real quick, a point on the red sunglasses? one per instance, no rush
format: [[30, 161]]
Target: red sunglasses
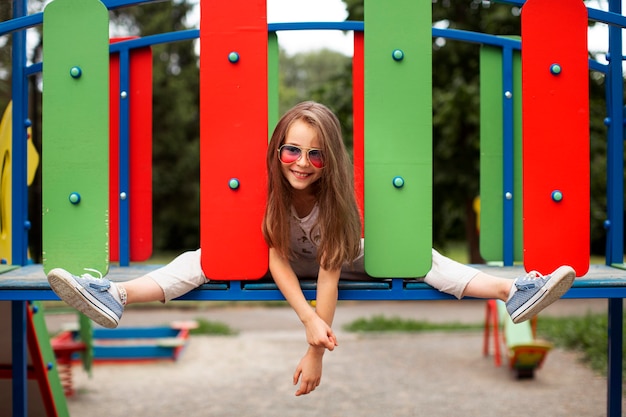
[[288, 154]]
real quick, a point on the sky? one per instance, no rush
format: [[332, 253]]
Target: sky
[[279, 11]]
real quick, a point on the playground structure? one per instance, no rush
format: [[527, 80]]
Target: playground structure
[[238, 72]]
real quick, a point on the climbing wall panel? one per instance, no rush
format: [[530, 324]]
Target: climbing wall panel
[[555, 135], [76, 136], [398, 138], [233, 138]]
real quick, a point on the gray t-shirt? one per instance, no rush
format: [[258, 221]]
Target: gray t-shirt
[[304, 240]]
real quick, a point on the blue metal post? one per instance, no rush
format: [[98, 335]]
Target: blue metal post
[[20, 122], [508, 148], [615, 145], [615, 210], [19, 209], [19, 351], [124, 157], [614, 373]]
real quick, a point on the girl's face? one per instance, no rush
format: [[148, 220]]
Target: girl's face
[[301, 173]]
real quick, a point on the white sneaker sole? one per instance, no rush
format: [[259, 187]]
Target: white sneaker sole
[[70, 291], [561, 280]]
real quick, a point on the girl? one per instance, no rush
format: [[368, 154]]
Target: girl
[[313, 229]]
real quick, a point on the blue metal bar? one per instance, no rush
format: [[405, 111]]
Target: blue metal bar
[[614, 371], [20, 22], [596, 66], [476, 37], [181, 35], [34, 69], [611, 17], [615, 146], [343, 25], [19, 348], [114, 4], [124, 158], [395, 290], [36, 19], [19, 201], [615, 210], [508, 147]]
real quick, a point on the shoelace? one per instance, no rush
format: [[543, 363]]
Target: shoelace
[[532, 275], [528, 281], [88, 275]]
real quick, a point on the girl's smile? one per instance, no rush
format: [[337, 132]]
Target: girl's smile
[[301, 173]]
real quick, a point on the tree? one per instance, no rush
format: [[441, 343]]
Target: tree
[[323, 76]]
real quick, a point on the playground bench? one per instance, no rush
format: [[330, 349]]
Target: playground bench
[[29, 283], [22, 285]]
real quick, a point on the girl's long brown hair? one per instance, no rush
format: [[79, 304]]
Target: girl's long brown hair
[[339, 222]]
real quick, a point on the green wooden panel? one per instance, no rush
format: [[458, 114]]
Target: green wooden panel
[[398, 138], [76, 135], [491, 154], [272, 82]]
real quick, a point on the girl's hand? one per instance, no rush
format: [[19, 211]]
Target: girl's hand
[[319, 333], [309, 371]]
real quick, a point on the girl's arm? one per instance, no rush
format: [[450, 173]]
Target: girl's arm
[[318, 331], [309, 370], [327, 292]]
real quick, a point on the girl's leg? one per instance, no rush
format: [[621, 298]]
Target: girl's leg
[[140, 290], [489, 287], [525, 296], [176, 278], [103, 301], [455, 278]]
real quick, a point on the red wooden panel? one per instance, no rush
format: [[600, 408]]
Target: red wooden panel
[[233, 138], [358, 118], [555, 106], [140, 136]]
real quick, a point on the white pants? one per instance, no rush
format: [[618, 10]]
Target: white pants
[[184, 274]]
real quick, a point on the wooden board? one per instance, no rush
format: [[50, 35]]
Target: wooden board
[[556, 135], [76, 136], [233, 138], [398, 138]]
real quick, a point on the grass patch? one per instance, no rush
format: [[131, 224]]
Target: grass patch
[[212, 328], [381, 323], [585, 334]]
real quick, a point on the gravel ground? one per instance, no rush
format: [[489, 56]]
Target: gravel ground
[[428, 374]]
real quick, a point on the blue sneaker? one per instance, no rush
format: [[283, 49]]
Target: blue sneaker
[[534, 292], [89, 295]]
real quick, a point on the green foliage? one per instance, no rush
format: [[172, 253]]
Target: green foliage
[[324, 76], [586, 334], [206, 327], [380, 323]]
